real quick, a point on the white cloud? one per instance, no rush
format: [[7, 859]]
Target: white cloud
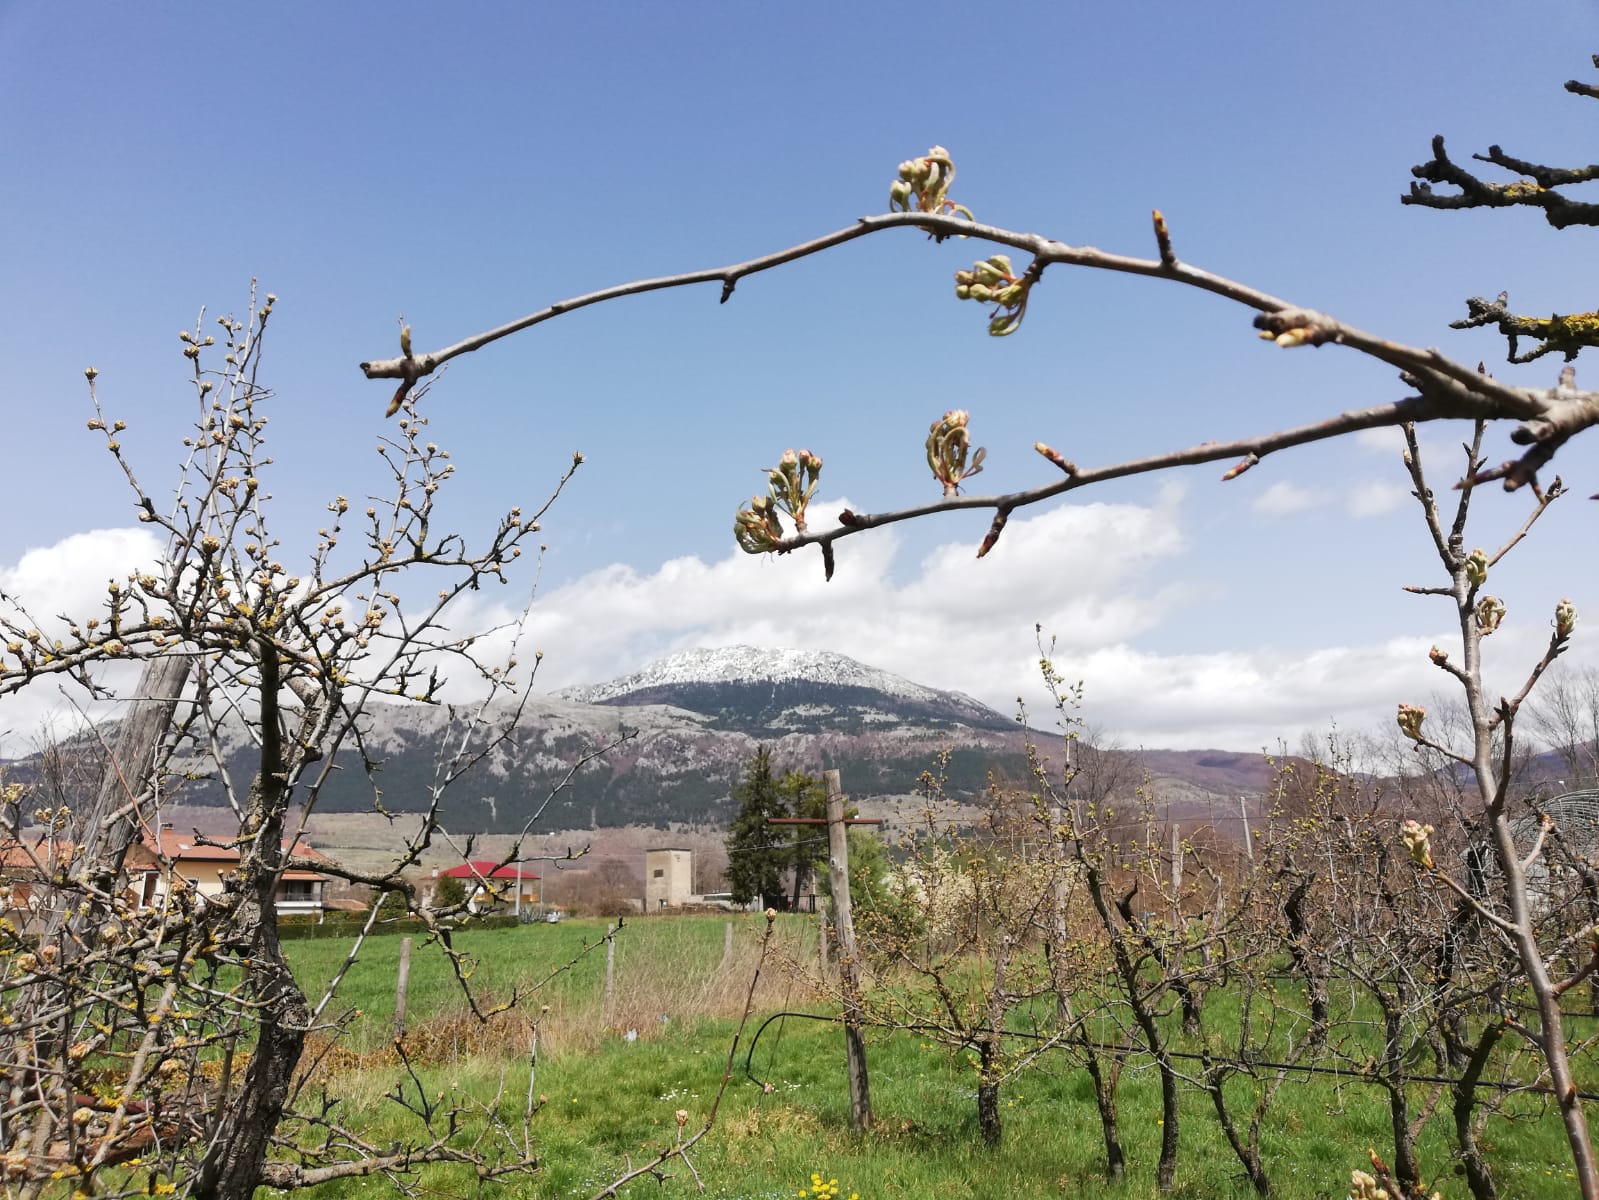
[[1283, 498], [71, 575], [1388, 441], [1097, 577], [69, 578], [1374, 498], [1247, 699], [1079, 570], [1094, 576]]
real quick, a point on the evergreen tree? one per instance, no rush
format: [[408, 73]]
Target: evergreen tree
[[804, 795], [449, 892], [758, 855]]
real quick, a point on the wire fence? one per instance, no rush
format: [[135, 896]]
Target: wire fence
[[1346, 1074]]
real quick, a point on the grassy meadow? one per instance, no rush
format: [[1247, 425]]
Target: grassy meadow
[[609, 1099]]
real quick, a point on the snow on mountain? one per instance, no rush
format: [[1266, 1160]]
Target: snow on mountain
[[690, 672]]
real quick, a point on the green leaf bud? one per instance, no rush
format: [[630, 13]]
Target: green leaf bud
[[1477, 567]]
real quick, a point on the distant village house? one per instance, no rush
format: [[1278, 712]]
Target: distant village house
[[154, 866], [300, 891], [492, 885]]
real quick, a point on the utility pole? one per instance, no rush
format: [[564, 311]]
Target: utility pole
[[860, 1097]]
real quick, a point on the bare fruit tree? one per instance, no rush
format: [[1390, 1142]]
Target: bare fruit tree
[[154, 1039], [1436, 388]]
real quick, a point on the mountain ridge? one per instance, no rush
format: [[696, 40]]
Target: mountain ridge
[[693, 721], [749, 687]]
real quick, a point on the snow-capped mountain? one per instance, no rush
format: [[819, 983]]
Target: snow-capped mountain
[[758, 690], [752, 664], [685, 729]]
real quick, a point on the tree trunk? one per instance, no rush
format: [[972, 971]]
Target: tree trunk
[[1247, 1150], [113, 821], [988, 1120], [1104, 1084], [849, 963], [1105, 1100], [234, 1164], [1407, 1169], [1299, 949], [1478, 1176], [1140, 1003]]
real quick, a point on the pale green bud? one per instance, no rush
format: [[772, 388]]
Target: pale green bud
[[1565, 618], [1477, 567]]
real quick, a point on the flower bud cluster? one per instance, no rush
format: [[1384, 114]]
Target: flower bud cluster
[[1362, 1186], [789, 488], [1490, 613], [792, 483], [993, 281], [1477, 567], [53, 819], [949, 448], [923, 185], [756, 528], [1414, 835], [1410, 718], [1299, 335], [1365, 1186], [1565, 618]]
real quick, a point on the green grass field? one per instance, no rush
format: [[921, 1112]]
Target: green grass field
[[609, 1099]]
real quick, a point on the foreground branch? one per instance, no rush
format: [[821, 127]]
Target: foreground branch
[[1283, 322], [1547, 417]]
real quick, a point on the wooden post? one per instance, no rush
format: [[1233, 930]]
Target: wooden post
[[860, 1099], [1058, 900], [821, 940], [1176, 879], [532, 1067], [1059, 891], [402, 983], [727, 947], [610, 973]]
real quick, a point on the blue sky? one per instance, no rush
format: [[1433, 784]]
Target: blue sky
[[463, 166]]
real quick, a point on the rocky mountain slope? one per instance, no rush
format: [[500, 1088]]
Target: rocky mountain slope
[[686, 727]]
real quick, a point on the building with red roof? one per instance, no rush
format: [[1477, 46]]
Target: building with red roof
[[490, 884], [27, 869], [154, 866], [205, 866]]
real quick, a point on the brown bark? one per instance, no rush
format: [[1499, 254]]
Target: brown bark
[[1478, 1177], [1109, 1120], [860, 1094], [235, 1162], [989, 1124]]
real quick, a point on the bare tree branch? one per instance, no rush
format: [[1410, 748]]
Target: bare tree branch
[[1559, 210]]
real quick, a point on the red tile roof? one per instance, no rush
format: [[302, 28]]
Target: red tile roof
[[17, 856], [185, 847], [483, 868]]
